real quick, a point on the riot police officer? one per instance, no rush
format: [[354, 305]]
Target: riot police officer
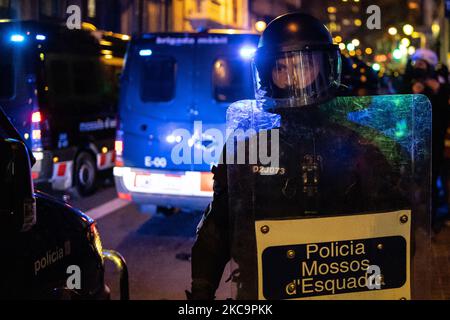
[[325, 166]]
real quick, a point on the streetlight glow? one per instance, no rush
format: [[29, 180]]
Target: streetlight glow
[[408, 29], [435, 28], [392, 31], [260, 26], [397, 54], [332, 10], [405, 42]]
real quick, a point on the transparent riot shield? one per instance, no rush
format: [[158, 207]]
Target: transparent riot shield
[[330, 201]]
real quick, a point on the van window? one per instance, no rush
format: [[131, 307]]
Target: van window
[[158, 79], [59, 70], [231, 80], [7, 78], [85, 77]]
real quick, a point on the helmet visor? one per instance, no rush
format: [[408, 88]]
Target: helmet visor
[[298, 78]]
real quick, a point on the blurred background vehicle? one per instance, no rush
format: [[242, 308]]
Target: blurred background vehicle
[[60, 89], [45, 241]]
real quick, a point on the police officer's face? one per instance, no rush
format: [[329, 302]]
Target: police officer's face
[[295, 72]]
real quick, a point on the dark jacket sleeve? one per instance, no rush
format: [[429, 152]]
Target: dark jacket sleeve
[[211, 251]]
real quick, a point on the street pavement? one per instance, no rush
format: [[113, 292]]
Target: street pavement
[[441, 265], [157, 249]]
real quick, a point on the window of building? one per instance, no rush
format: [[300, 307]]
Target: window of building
[[5, 9], [5, 3], [158, 79], [52, 8], [92, 8]]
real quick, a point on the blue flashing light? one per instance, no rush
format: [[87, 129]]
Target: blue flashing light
[[41, 37], [247, 52], [17, 38], [145, 53]]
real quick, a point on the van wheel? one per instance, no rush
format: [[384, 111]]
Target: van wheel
[[85, 174]]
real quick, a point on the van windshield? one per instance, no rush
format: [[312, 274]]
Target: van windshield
[[6, 72], [232, 80]]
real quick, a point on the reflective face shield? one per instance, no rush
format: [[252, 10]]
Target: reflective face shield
[[298, 78]]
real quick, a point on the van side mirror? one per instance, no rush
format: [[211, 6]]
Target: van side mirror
[[17, 201]]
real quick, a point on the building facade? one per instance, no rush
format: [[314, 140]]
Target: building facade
[[136, 16]]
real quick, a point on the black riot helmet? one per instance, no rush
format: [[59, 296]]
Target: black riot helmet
[[296, 63]]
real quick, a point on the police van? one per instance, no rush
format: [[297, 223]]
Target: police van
[[175, 88], [49, 249], [60, 89]]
